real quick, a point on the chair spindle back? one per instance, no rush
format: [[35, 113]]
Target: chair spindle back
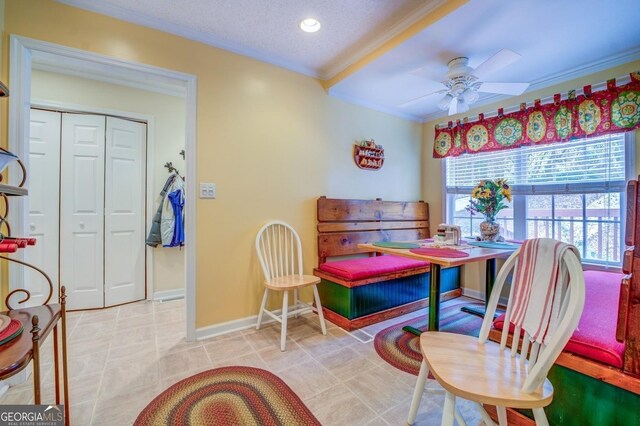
[[538, 358], [279, 250]]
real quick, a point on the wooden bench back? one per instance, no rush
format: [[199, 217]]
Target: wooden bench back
[[628, 329], [344, 223]]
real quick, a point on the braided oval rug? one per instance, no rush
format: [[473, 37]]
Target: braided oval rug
[[228, 396], [402, 349]]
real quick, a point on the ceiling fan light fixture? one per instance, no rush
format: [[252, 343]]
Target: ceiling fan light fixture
[[444, 102], [469, 96], [310, 25]]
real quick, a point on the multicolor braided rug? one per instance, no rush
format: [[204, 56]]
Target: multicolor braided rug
[[228, 396], [402, 350]]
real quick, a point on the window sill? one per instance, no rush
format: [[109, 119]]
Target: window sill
[[597, 267]]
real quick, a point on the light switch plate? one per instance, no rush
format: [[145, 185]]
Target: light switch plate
[[207, 190]]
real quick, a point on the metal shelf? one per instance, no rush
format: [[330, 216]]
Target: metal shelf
[[12, 190]]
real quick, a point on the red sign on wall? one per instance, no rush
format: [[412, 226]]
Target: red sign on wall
[[368, 155]]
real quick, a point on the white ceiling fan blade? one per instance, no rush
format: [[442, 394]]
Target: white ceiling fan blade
[[503, 88], [418, 99], [498, 61]]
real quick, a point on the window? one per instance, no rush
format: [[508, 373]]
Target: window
[[572, 191]]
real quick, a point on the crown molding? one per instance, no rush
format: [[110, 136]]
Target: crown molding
[[557, 78], [375, 107], [378, 41], [438, 13], [188, 33]]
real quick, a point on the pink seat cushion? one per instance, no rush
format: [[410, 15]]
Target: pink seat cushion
[[367, 267], [595, 337]]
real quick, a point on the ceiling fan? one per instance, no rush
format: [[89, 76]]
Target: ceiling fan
[[463, 82]]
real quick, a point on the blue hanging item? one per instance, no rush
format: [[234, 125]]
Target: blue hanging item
[[177, 203]]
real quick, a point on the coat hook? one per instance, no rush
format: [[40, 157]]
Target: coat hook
[[169, 166]]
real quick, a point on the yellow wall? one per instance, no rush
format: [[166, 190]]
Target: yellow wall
[[168, 139], [272, 140], [473, 276]]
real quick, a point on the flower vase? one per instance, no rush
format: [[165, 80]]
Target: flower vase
[[489, 230]]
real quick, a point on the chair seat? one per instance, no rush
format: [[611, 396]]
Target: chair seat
[[480, 372], [289, 282]]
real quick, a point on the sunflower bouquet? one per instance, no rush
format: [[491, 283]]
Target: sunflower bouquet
[[488, 198]]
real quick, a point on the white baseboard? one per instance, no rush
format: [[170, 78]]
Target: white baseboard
[[230, 326], [165, 295], [475, 294]]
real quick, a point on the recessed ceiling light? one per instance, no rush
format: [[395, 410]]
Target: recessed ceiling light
[[309, 25]]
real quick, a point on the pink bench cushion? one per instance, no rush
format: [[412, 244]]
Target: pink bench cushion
[[595, 337], [367, 267]]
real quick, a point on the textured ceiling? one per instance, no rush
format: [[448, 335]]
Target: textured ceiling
[[559, 40], [268, 29]]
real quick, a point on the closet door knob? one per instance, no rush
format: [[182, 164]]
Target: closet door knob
[[32, 226], [81, 225]]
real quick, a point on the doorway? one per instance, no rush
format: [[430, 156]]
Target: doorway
[[87, 206], [26, 54]]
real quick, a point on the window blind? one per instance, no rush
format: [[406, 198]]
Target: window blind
[[583, 165]]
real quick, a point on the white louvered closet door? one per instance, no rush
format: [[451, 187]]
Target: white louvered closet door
[[124, 211], [82, 210]]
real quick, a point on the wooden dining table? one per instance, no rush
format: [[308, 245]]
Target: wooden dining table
[[476, 254]]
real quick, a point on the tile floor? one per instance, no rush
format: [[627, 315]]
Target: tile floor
[[115, 374]]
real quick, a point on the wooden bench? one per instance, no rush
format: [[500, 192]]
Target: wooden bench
[[366, 288], [597, 377]]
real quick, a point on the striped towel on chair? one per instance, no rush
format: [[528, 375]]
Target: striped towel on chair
[[541, 279]]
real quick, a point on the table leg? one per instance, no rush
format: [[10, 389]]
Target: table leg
[[65, 377], [434, 298], [55, 363], [434, 302], [489, 280], [35, 342]]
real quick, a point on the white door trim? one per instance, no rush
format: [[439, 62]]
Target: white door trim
[[151, 134], [25, 52]]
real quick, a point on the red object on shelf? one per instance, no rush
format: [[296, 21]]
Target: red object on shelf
[[8, 248], [21, 242], [11, 332]]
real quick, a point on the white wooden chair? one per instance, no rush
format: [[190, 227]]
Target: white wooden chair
[[280, 253], [489, 373]]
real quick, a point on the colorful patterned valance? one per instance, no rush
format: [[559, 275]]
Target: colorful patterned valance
[[612, 110]]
